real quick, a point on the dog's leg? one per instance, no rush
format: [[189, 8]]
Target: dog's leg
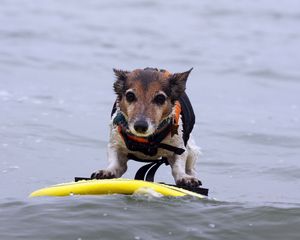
[[117, 164], [193, 154], [178, 165]]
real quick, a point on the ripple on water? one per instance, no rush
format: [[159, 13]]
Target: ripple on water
[[275, 140], [124, 217], [273, 75]]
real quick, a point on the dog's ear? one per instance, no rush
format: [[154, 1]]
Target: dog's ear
[[119, 84], [177, 83]]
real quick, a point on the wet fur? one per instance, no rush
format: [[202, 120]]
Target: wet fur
[[146, 84]]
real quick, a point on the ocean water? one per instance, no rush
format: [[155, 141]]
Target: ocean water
[[56, 60]]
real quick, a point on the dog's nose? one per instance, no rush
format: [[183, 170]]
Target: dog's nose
[[141, 126]]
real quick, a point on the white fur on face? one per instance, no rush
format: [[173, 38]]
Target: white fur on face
[[151, 127]]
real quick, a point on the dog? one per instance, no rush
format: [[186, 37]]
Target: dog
[[148, 121]]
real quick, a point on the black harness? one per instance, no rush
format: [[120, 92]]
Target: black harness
[[150, 148], [151, 144]]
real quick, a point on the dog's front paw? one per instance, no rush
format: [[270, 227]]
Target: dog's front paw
[[188, 181], [103, 174]]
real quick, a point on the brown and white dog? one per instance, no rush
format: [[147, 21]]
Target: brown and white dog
[[147, 106]]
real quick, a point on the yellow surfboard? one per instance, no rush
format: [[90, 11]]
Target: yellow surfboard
[[112, 186]]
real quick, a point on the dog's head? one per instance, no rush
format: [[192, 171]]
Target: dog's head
[[147, 96]]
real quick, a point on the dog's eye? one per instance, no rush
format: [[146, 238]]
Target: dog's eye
[[130, 97], [159, 99]]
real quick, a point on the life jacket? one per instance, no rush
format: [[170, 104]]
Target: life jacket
[[149, 145]]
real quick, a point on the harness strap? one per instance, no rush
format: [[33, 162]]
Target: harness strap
[[188, 117], [171, 148], [147, 171]]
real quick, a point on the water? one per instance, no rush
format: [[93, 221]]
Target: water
[[56, 60]]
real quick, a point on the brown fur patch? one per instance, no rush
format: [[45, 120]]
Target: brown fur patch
[[146, 84]]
